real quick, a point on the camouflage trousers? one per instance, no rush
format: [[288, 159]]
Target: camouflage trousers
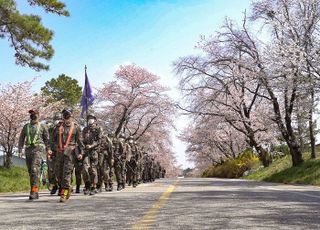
[[140, 171], [64, 167], [105, 171], [132, 172], [120, 170], [51, 169], [78, 166], [34, 156], [90, 165]]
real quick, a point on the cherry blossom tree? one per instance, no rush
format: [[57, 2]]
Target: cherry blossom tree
[[15, 101], [218, 83], [272, 77], [295, 34], [211, 140], [137, 104]]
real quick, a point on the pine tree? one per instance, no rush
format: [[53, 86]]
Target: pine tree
[[26, 34]]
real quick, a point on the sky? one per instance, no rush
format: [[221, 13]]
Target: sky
[[105, 34]]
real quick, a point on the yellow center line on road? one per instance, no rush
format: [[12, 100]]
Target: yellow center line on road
[[150, 217]]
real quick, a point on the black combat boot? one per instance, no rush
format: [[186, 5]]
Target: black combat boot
[[99, 188], [34, 196], [110, 187], [106, 187], [92, 191], [78, 189], [87, 188], [54, 189], [134, 184], [119, 187]]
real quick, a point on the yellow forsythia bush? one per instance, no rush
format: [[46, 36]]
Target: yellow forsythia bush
[[234, 168]]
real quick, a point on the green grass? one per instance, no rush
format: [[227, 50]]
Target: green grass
[[281, 171], [14, 179]]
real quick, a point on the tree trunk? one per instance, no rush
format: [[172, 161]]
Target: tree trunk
[[295, 152], [263, 154], [300, 131], [311, 127], [8, 160]]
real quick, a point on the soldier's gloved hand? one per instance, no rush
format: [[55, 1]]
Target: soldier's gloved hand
[[112, 162], [49, 153]]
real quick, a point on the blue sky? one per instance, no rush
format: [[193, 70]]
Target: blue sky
[[104, 34]]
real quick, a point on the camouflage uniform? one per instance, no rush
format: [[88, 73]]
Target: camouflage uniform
[[107, 163], [119, 161], [163, 174], [152, 170], [66, 139], [157, 170], [51, 162], [52, 159], [35, 137], [100, 168], [133, 165], [146, 167], [78, 167], [140, 166], [91, 140]]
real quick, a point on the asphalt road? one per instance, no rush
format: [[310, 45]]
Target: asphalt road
[[191, 203]]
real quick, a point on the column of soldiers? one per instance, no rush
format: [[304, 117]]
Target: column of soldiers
[[95, 157]]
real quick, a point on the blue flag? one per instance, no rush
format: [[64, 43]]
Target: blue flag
[[87, 97]]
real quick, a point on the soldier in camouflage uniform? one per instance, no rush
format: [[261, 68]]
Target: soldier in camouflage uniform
[[119, 161], [157, 170], [163, 173], [152, 170], [78, 168], [57, 119], [133, 169], [107, 162], [91, 136], [100, 166], [66, 139], [146, 164], [160, 171], [35, 137], [140, 164]]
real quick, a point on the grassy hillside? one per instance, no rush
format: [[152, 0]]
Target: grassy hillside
[[282, 172]]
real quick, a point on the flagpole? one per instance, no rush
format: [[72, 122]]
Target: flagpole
[[86, 89]]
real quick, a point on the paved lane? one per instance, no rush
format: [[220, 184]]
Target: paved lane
[[192, 203]]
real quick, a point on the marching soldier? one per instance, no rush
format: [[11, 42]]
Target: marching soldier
[[78, 167], [91, 139], [133, 163], [119, 161], [57, 119], [145, 174], [66, 140], [152, 170], [35, 137], [107, 162]]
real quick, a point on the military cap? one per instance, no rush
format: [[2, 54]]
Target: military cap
[[34, 111], [92, 116], [67, 110]]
